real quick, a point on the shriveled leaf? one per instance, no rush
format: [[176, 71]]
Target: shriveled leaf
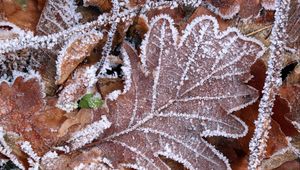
[[180, 98], [56, 16], [73, 53]]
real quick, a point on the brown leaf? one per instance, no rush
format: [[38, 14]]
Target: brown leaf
[[19, 103], [104, 5], [225, 8], [74, 52], [292, 94], [294, 27], [168, 110], [245, 9], [26, 18], [81, 118]]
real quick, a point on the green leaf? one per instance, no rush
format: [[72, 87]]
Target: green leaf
[[89, 101], [95, 103], [22, 3]]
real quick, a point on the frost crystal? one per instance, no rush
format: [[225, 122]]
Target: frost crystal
[[34, 158], [257, 144]]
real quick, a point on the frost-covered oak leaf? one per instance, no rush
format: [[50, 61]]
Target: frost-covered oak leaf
[[185, 89], [74, 52], [19, 101]]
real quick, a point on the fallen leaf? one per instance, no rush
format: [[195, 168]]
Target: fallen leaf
[[26, 18], [168, 114], [294, 27], [19, 103], [73, 53], [292, 94]]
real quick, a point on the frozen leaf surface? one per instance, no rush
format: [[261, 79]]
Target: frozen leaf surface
[[179, 96]]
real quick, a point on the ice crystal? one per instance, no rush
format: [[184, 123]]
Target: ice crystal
[[257, 144], [34, 158], [168, 111]]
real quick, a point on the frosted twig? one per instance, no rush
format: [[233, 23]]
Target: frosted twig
[[258, 142]]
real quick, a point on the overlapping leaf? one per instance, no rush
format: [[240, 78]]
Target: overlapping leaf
[[227, 9], [186, 89], [292, 94]]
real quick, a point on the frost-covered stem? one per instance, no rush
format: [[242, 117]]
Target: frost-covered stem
[[49, 41], [110, 35], [258, 142]]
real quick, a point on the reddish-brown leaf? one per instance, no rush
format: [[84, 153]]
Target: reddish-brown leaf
[[176, 96]]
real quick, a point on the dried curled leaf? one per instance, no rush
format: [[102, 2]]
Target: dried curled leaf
[[180, 98], [74, 52]]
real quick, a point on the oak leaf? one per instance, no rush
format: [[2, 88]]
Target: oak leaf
[[177, 96]]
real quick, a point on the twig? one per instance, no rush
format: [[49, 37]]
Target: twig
[[259, 30]]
